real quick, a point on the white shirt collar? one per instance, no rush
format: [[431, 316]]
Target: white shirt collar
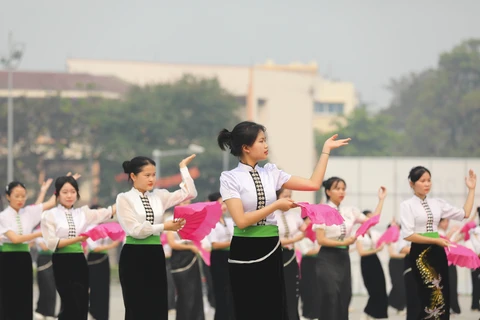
[[138, 192], [246, 167]]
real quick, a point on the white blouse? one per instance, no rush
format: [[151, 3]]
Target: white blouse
[[305, 245], [370, 239], [421, 216], [290, 220], [351, 215], [55, 222], [22, 223], [222, 232], [131, 212], [239, 183]]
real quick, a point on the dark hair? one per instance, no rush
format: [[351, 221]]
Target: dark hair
[[331, 183], [13, 184], [416, 173], [214, 196], [135, 165], [60, 182], [244, 133], [365, 212]]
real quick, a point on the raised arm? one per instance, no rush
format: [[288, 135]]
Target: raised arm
[[471, 182], [382, 193], [43, 191], [315, 181]]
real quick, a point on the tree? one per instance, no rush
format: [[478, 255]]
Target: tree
[[371, 135]]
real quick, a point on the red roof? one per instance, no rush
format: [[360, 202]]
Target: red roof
[[60, 81]]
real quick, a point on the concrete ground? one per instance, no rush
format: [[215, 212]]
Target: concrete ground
[[358, 303]]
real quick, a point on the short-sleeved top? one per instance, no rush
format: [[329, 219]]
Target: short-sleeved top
[[222, 232], [474, 242], [351, 216], [29, 218], [289, 223], [422, 216], [57, 222], [131, 212], [240, 183]]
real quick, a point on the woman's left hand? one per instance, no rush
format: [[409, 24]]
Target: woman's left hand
[[186, 161], [382, 193], [333, 143], [471, 180]]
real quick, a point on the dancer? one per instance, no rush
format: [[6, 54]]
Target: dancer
[[474, 244], [289, 225], [308, 280], [99, 275], [372, 274], [17, 224], [411, 289], [142, 261], [47, 292], [62, 227], [256, 263], [333, 262], [420, 216], [396, 267], [220, 238]]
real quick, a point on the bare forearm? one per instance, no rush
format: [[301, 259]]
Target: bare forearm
[[220, 245], [66, 242], [379, 207], [416, 238], [250, 218], [319, 172], [468, 206], [330, 243]]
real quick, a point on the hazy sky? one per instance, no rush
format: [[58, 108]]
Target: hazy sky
[[367, 42]]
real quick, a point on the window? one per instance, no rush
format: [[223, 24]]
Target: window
[[328, 108]]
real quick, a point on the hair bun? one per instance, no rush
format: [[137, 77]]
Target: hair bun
[[127, 167]]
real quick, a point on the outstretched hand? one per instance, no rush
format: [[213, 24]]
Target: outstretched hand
[[333, 143], [46, 185], [471, 180], [186, 161]]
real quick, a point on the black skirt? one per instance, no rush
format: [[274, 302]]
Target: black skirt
[[17, 285], [475, 289], [411, 291], [47, 292], [430, 269], [453, 278], [144, 282], [257, 279], [374, 280], [290, 270], [71, 279], [221, 285], [171, 291], [99, 275], [2, 317], [308, 287], [334, 281], [186, 274], [396, 298]]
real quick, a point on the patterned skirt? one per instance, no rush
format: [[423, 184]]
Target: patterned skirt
[[430, 269]]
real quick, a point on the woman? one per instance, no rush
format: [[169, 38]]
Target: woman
[[185, 264], [62, 227], [411, 290], [474, 244], [396, 266], [333, 262], [220, 239], [142, 261], [47, 293], [420, 217], [17, 224], [99, 275], [372, 274], [289, 231], [249, 191], [308, 280]]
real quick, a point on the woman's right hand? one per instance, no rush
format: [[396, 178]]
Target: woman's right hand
[[349, 241], [174, 225], [285, 204], [82, 238], [442, 242], [194, 249]]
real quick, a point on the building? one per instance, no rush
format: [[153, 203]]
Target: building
[[290, 100]]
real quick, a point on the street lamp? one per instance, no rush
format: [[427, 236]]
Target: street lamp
[[158, 154], [10, 63]]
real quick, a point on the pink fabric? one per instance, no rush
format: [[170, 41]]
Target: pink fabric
[[321, 213], [310, 234], [203, 253], [467, 227], [462, 256], [389, 236], [200, 219], [111, 230], [299, 257], [367, 225]]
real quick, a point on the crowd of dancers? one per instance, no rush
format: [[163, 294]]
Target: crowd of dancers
[[255, 247]]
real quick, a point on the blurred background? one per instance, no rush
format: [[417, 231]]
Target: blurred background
[[85, 85]]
